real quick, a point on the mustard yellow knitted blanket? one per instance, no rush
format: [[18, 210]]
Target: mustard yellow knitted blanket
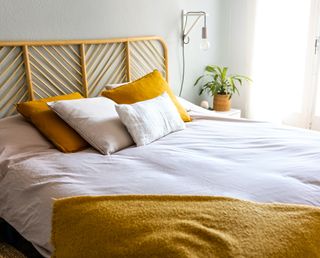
[[182, 226]]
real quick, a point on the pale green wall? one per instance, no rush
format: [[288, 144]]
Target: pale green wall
[[237, 42], [84, 19]]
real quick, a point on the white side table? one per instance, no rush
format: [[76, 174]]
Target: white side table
[[235, 113]]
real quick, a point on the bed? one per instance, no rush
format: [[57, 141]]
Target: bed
[[213, 156]]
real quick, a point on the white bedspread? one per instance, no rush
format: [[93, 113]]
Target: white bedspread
[[213, 156]]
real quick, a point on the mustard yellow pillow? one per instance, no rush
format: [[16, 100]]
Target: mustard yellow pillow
[[30, 107], [58, 132], [148, 87], [50, 125]]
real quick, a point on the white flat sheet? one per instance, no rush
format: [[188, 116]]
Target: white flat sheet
[[212, 156]]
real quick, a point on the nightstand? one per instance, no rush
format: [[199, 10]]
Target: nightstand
[[234, 113]]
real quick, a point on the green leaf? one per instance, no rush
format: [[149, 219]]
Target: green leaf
[[210, 69], [219, 70], [236, 90], [224, 73], [239, 80], [246, 78], [198, 80]]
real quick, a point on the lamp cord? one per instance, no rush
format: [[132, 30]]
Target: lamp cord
[[183, 56], [183, 69], [186, 40]]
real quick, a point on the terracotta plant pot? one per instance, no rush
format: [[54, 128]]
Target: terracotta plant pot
[[221, 103]]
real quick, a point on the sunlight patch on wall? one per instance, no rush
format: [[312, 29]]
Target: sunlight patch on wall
[[279, 60]]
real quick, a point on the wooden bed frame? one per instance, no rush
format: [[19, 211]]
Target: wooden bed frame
[[32, 70], [38, 69]]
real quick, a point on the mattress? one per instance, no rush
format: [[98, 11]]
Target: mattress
[[213, 156]]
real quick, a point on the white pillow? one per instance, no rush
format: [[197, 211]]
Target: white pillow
[[115, 85], [96, 120], [150, 120], [18, 136]]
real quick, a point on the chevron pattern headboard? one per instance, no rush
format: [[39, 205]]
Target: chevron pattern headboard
[[39, 69]]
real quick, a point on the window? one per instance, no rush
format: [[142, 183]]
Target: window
[[285, 64]]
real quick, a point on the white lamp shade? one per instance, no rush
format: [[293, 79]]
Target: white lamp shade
[[205, 44]]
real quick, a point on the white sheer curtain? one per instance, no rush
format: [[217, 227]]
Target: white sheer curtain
[[282, 67]]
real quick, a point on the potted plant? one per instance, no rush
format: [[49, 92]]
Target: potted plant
[[220, 85]]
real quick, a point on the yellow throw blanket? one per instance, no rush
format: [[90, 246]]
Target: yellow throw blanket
[[182, 226]]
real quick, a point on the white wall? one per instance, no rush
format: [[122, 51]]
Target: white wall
[[237, 22], [84, 19]]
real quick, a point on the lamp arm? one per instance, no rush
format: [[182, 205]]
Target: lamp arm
[[199, 14], [192, 26]]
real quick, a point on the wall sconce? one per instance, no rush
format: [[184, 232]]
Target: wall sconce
[[205, 44]]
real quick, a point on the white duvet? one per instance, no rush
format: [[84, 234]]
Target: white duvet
[[212, 156]]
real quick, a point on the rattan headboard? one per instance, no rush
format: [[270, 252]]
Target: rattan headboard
[[38, 69]]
